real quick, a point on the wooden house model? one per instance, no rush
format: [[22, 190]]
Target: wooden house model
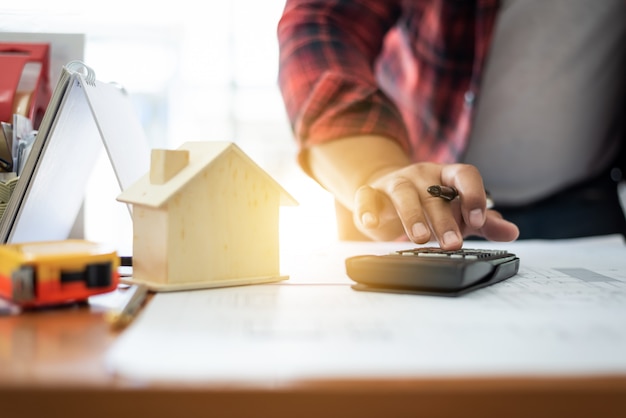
[[206, 215]]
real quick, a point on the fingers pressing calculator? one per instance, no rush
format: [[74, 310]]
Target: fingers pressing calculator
[[431, 270]]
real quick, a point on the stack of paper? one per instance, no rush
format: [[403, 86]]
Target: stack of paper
[[7, 185]]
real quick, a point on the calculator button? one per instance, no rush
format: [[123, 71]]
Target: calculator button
[[429, 254]]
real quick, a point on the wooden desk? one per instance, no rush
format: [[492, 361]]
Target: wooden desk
[[51, 364]]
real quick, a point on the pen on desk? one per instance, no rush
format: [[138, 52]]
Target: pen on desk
[[120, 319], [450, 193]]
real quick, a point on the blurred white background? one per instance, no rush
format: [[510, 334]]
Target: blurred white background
[[195, 71]]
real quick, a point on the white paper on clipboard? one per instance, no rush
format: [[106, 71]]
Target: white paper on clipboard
[[83, 117]]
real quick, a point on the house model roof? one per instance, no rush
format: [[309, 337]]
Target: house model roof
[[201, 155]]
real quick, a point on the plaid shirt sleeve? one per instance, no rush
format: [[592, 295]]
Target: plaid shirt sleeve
[[406, 70]]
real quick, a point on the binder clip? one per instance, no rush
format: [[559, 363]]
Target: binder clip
[[25, 82]]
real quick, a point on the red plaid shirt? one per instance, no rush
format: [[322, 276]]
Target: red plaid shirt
[[404, 69]]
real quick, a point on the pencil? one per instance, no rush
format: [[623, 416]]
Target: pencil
[[120, 319]]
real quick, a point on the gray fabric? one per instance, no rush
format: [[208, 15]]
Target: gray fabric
[[547, 110]]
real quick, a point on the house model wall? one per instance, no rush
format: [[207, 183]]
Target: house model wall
[[205, 216]]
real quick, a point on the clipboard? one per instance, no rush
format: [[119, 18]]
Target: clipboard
[[83, 117]]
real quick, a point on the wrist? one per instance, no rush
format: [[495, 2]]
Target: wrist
[[342, 166]]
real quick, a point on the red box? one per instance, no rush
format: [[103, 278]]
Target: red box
[[24, 81]]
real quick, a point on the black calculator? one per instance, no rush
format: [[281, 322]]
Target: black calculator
[[431, 270]]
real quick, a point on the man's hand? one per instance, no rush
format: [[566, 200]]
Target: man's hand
[[398, 202], [387, 194]]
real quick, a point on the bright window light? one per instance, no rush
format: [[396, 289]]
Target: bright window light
[[198, 71]]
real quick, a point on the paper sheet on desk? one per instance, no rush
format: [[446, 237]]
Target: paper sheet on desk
[[569, 318], [325, 264]]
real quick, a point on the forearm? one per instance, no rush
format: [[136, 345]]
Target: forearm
[[344, 165]]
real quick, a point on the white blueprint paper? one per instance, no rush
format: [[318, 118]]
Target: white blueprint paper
[[563, 314]]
